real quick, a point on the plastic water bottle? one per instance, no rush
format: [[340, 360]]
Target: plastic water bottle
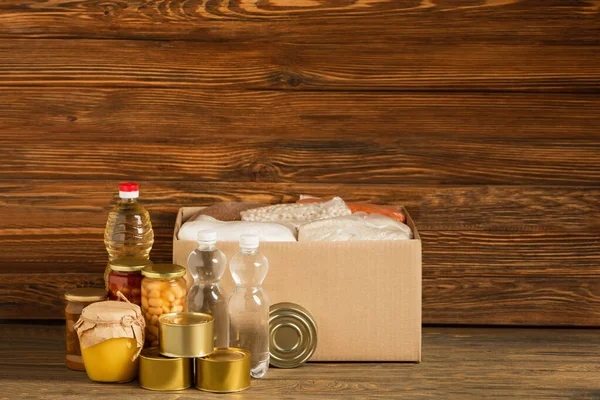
[[207, 264], [128, 231], [249, 304]]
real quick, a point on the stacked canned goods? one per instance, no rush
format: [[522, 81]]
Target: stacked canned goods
[[186, 338]]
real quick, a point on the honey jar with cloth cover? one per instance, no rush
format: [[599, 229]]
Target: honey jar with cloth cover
[[111, 336]]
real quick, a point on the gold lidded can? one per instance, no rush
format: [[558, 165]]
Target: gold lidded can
[[158, 372], [186, 334], [225, 370], [293, 335]]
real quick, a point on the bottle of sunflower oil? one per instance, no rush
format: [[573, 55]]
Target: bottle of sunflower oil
[[128, 231]]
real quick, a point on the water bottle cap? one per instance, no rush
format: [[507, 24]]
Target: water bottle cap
[[249, 241], [207, 236], [129, 190]]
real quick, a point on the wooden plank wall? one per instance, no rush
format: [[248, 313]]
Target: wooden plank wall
[[481, 116]]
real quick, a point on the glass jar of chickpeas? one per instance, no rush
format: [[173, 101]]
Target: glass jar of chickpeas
[[125, 276], [163, 291]]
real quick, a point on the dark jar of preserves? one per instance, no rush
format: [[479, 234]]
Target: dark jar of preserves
[[125, 276], [77, 300]]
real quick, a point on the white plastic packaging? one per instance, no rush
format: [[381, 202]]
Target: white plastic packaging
[[231, 231], [358, 226]]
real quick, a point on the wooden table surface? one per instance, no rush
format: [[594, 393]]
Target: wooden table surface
[[457, 363]]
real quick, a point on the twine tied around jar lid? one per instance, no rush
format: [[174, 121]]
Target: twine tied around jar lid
[[112, 322], [127, 321]]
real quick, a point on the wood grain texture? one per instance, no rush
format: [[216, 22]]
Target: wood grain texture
[[41, 296], [143, 113], [436, 161], [351, 66], [446, 22], [413, 161], [458, 363], [522, 300], [301, 137]]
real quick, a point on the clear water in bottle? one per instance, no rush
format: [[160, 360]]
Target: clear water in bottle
[[207, 265], [249, 304], [128, 228]]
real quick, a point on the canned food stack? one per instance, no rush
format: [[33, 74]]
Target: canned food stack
[[186, 338], [151, 328]]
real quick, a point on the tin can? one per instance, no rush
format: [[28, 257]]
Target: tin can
[[163, 373], [292, 335], [226, 370], [186, 334]]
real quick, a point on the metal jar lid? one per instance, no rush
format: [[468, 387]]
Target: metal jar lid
[[163, 271], [226, 370], [186, 334], [163, 373], [86, 295], [128, 264], [292, 335]]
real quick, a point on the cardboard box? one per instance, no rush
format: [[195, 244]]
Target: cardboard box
[[364, 295]]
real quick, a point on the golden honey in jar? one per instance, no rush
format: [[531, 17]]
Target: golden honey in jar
[[111, 336], [125, 276], [77, 300], [164, 291]]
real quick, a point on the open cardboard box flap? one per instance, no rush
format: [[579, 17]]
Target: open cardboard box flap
[[364, 295]]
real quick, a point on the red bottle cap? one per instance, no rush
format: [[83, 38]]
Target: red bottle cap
[[129, 190], [128, 187]]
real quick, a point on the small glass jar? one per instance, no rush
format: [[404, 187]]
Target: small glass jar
[[111, 336], [164, 291], [77, 300], [125, 276]]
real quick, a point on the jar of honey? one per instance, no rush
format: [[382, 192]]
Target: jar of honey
[[125, 276], [111, 336], [77, 300], [163, 291]]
